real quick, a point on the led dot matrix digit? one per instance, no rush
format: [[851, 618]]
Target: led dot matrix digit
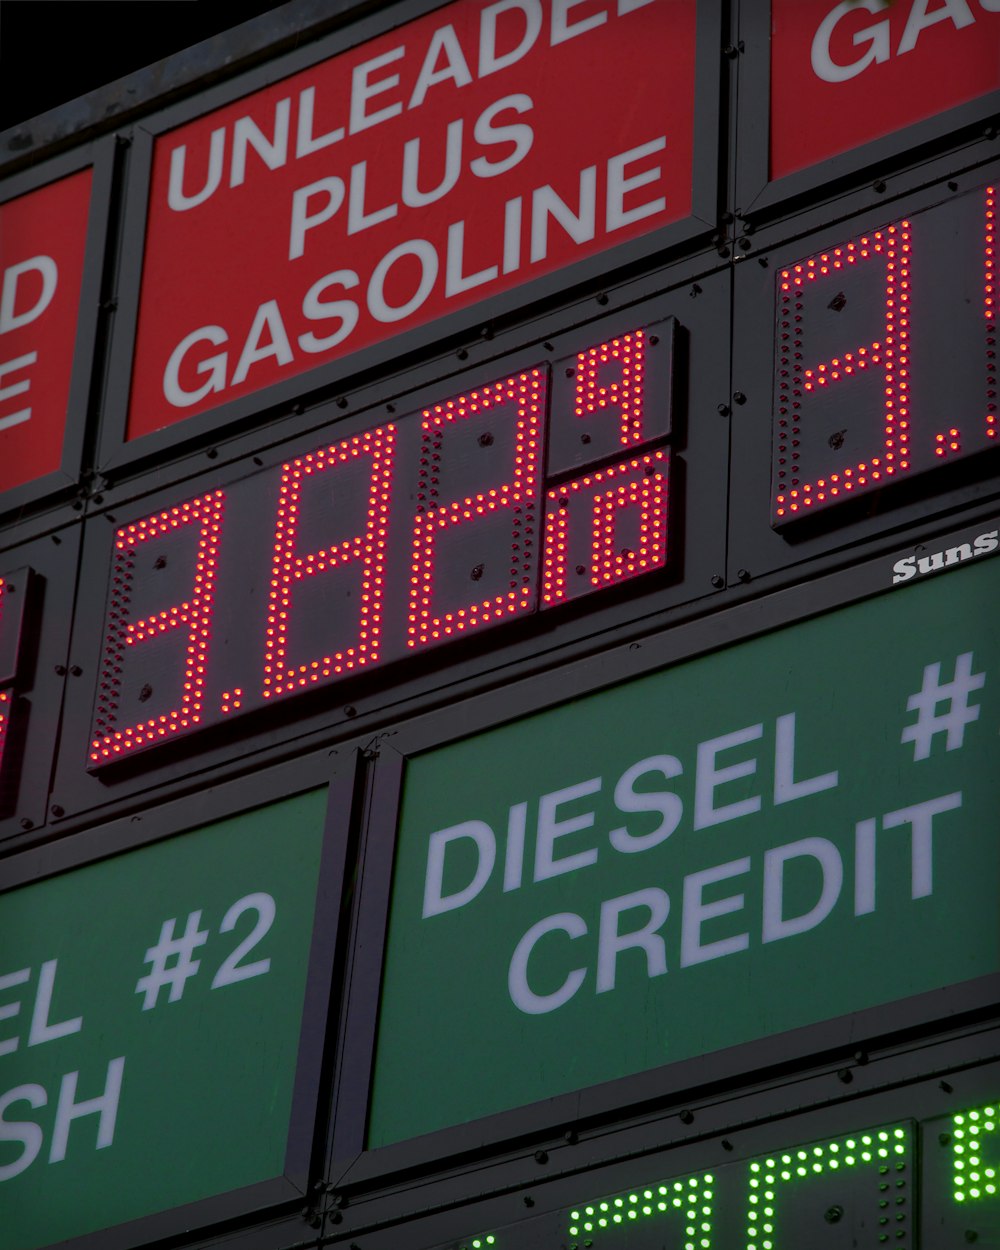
[[409, 535], [885, 363]]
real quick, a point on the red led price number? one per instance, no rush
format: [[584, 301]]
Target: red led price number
[[13, 596], [515, 496], [886, 357]]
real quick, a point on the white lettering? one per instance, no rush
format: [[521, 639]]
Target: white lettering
[[362, 90], [786, 788], [435, 902], [26, 1132], [550, 828], [627, 799], [43, 265], [16, 388], [68, 1110], [455, 282], [518, 133], [920, 818], [302, 220], [619, 186], [489, 60], [413, 197], [877, 36], [213, 366], [696, 912], [305, 141], [524, 998], [176, 199], [247, 134], [41, 1030], [9, 1010], [268, 316], [378, 306], [611, 942], [454, 69], [824, 852], [562, 30], [709, 778], [317, 309], [579, 226], [919, 19]]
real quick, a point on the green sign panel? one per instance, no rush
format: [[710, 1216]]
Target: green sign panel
[[150, 1012], [798, 827]]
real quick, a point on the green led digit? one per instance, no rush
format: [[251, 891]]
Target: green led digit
[[690, 1198], [886, 1150], [973, 1180]]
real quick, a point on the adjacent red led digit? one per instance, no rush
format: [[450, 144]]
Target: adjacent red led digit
[[281, 676], [525, 393], [990, 309], [4, 719], [194, 615], [622, 391], [635, 488], [889, 353]]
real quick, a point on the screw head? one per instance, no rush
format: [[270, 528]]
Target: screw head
[[718, 581], [744, 575], [834, 1214], [57, 810]]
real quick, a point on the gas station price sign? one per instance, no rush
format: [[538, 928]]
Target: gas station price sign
[[886, 357], [112, 1106], [527, 491], [773, 836]]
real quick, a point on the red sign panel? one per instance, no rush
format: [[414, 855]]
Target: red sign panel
[[843, 74], [42, 238], [432, 168]]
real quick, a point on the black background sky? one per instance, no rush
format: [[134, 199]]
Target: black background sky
[[52, 51]]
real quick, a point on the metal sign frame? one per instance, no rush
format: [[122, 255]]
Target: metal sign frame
[[199, 807], [355, 1164]]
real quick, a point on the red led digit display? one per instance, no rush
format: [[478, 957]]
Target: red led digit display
[[605, 527], [4, 718], [517, 401], [611, 398], [885, 368], [372, 549], [375, 450], [192, 619]]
